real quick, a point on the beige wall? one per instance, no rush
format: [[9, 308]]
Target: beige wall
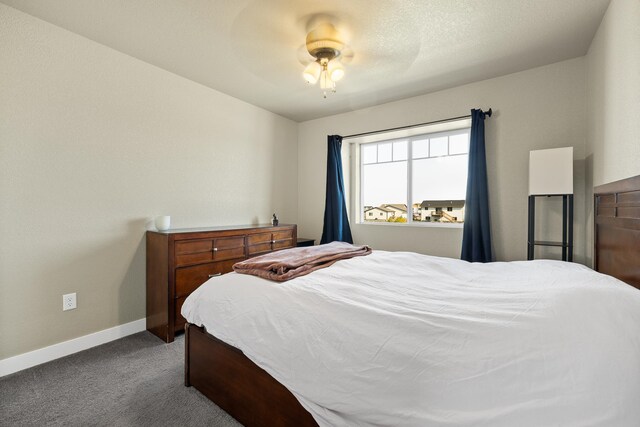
[[92, 144], [613, 98], [534, 109]]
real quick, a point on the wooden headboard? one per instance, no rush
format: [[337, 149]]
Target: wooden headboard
[[617, 229]]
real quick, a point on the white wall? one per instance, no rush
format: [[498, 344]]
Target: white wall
[[92, 144], [613, 70], [534, 109]]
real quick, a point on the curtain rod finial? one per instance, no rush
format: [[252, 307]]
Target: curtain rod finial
[[489, 112]]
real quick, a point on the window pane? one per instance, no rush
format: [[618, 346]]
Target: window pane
[[459, 144], [420, 148], [384, 152], [439, 178], [438, 147], [400, 150], [369, 153], [439, 189], [384, 183]]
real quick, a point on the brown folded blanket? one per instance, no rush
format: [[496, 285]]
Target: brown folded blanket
[[291, 263]]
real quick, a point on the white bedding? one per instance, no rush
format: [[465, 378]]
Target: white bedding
[[402, 339]]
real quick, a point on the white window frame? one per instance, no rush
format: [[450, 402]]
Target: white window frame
[[356, 201]]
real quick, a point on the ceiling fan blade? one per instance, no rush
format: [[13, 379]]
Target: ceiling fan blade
[[303, 55], [346, 55]]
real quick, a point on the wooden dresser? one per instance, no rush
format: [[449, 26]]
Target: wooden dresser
[[178, 261]]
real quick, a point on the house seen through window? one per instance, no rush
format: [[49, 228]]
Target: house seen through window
[[420, 178]]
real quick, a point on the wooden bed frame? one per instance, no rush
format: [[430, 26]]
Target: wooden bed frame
[[237, 385], [617, 230], [250, 395]]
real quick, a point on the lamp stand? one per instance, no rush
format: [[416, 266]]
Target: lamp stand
[[567, 228]]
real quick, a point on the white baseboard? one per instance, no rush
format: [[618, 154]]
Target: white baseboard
[[56, 351]]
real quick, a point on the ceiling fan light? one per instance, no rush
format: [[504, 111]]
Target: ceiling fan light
[[336, 70], [325, 45], [325, 81], [312, 72]]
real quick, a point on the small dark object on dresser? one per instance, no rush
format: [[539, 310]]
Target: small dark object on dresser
[[275, 220]]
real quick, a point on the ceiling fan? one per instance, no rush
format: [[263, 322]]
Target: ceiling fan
[[326, 54], [277, 41]]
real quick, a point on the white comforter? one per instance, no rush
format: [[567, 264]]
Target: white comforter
[[402, 339]]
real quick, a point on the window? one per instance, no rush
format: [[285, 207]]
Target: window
[[417, 179]]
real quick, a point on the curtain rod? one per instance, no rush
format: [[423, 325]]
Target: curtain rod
[[488, 113]]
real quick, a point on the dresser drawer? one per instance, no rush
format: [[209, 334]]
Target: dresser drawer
[[262, 243], [258, 249], [259, 238], [282, 244], [197, 258], [228, 248], [193, 246], [189, 278], [229, 243], [259, 243], [282, 239], [194, 251], [283, 235]]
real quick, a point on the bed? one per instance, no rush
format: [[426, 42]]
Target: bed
[[522, 343]]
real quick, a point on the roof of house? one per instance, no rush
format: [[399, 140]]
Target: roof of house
[[458, 204], [396, 206], [379, 208]]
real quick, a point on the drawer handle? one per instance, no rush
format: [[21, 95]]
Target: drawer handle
[[273, 241], [215, 249], [215, 275]]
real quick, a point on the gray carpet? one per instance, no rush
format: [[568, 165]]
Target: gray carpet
[[134, 381]]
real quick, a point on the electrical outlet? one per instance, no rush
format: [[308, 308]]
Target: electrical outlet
[[69, 301]]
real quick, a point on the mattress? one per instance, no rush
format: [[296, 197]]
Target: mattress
[[398, 338]]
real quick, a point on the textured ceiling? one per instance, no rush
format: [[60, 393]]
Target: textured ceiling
[[251, 49]]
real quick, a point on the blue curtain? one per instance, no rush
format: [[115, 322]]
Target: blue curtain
[[336, 222], [476, 237]]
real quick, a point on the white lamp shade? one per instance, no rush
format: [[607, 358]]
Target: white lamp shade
[[312, 72], [551, 171], [336, 70]]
